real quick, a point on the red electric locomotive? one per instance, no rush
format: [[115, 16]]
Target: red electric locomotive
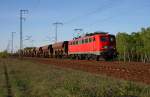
[[93, 46]]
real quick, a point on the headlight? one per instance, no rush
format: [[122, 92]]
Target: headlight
[[105, 47]]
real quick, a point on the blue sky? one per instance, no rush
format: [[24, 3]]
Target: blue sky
[[91, 15]]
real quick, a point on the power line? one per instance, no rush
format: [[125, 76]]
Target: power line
[[99, 21], [28, 37], [32, 41], [100, 9], [56, 28], [12, 35], [8, 46], [21, 40], [78, 31]]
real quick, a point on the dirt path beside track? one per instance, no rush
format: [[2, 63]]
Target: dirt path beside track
[[134, 71]]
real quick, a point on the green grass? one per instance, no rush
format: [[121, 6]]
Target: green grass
[[2, 81], [30, 79]]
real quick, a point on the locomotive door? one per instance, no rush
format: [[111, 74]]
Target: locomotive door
[[94, 44]]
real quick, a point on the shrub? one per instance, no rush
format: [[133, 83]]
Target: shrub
[[4, 54]]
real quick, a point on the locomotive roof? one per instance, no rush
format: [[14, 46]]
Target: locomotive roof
[[95, 33], [91, 34]]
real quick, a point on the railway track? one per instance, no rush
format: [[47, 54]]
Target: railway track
[[133, 71]]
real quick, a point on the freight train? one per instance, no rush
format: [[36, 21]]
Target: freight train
[[90, 46]]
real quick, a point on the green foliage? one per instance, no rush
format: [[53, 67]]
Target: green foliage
[[4, 54], [3, 92], [134, 46]]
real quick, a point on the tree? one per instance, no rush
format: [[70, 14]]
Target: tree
[[134, 46]]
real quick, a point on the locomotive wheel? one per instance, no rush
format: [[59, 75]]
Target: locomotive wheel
[[70, 56], [87, 57], [76, 57], [97, 58], [93, 57]]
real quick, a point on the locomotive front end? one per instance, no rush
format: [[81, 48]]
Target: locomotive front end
[[108, 46]]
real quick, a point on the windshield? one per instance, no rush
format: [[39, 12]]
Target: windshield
[[103, 39]]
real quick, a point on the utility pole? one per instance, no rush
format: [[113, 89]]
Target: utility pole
[[21, 34], [8, 46], [32, 43], [12, 35], [56, 27], [29, 39]]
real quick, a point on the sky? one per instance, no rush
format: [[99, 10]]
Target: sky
[[111, 16]]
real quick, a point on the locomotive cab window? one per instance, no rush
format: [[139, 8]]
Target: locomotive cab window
[[103, 39]]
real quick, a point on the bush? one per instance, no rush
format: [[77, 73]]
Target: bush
[[4, 54]]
